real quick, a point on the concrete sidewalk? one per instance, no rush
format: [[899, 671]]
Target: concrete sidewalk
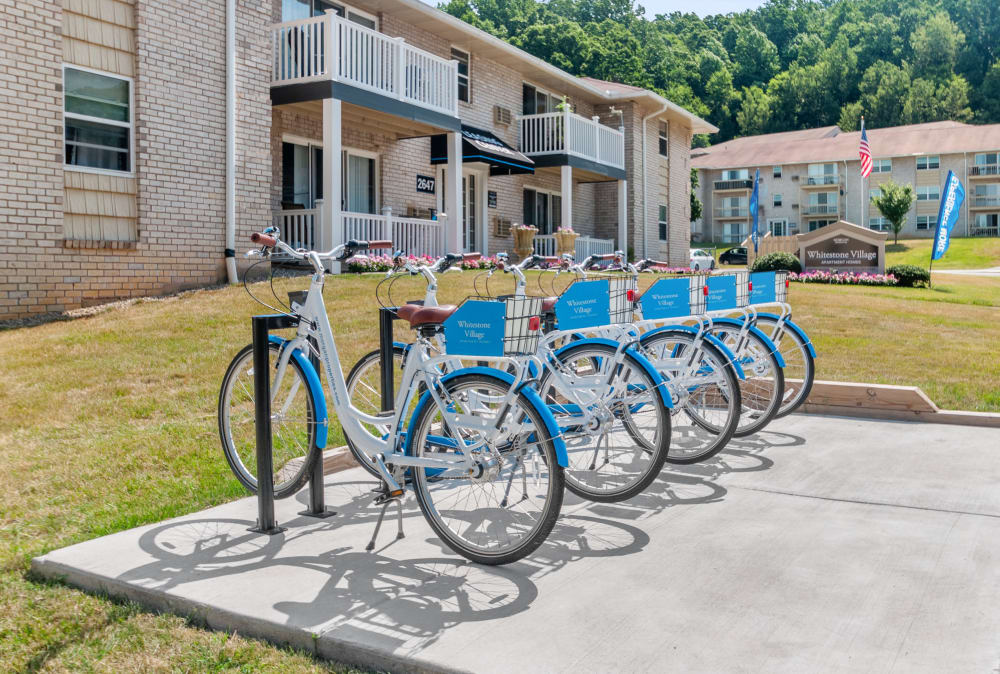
[[824, 544], [992, 271]]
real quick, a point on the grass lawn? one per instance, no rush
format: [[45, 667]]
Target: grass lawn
[[963, 253], [110, 423]]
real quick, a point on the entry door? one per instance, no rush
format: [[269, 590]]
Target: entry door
[[778, 227], [470, 212]]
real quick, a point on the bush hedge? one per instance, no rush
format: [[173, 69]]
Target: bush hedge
[[777, 262], [909, 275]]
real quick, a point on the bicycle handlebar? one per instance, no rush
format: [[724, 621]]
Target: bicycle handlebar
[[263, 240]]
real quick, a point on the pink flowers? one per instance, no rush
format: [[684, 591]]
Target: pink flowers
[[360, 264], [844, 278]]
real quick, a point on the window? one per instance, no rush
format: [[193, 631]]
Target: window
[[97, 118], [663, 223], [464, 88], [882, 166], [732, 207], [292, 10], [819, 224], [928, 162], [926, 221], [736, 174], [776, 200], [302, 177], [928, 193], [542, 209], [879, 224], [664, 136], [776, 172], [778, 227], [534, 101], [822, 174], [875, 193], [985, 158]]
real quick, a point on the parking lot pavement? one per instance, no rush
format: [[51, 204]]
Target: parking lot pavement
[[822, 544]]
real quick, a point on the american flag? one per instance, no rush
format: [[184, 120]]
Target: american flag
[[865, 152]]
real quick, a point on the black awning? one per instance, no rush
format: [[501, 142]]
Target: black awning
[[483, 146]]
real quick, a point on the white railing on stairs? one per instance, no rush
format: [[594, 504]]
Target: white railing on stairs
[[545, 244], [587, 246], [412, 235], [301, 52]]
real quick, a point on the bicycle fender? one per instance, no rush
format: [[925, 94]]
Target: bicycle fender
[[708, 337], [315, 390], [771, 346], [654, 374], [796, 329], [531, 396]]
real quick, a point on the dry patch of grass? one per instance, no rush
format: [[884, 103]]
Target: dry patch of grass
[[110, 423]]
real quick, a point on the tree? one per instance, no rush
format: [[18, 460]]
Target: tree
[[695, 202], [754, 114], [894, 203], [884, 88], [935, 46], [755, 57], [989, 96]]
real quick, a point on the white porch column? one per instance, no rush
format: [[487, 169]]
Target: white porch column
[[331, 230], [566, 188], [453, 195], [623, 216]]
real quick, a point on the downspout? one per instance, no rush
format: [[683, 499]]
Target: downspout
[[645, 217], [230, 251]]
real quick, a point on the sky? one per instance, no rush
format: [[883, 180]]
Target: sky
[[700, 7]]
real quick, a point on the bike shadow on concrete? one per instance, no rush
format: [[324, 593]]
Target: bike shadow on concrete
[[315, 577]]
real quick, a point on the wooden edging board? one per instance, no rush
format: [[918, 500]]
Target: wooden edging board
[[882, 401]]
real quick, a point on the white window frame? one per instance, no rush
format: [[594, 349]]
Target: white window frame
[[345, 150], [928, 224], [665, 221], [542, 90], [130, 125], [776, 200], [783, 222], [924, 193], [877, 165], [663, 134], [926, 160], [985, 156], [348, 10], [883, 224], [739, 174], [468, 78]]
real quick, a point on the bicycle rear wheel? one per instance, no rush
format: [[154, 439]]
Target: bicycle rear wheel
[[504, 509], [364, 388], [764, 383], [293, 428], [800, 366]]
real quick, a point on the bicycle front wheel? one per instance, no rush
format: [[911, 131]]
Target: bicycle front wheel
[[764, 383], [502, 508], [293, 428], [364, 388]]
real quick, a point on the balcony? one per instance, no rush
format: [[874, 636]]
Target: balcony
[[984, 170], [820, 181], [985, 201], [733, 184], [732, 212], [821, 209], [331, 49], [565, 135]]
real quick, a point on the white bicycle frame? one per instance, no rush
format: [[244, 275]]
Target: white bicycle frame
[[314, 323]]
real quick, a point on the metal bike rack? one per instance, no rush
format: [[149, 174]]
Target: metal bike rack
[[386, 316], [266, 524]]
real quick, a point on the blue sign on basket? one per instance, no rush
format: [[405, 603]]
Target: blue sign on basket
[[667, 298], [763, 285], [475, 329], [721, 293], [585, 304]]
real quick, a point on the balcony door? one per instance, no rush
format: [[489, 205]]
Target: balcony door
[[302, 177], [543, 209], [293, 10]]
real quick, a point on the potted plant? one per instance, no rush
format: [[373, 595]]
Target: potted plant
[[566, 240], [524, 239]]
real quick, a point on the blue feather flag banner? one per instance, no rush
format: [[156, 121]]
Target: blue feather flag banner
[[951, 203], [754, 211]]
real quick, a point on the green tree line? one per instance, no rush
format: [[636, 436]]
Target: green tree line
[[791, 64]]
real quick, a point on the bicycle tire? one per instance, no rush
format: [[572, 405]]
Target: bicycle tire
[[799, 350], [354, 379], [754, 415]]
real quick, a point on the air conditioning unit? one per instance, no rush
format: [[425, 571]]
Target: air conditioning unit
[[795, 177], [501, 115], [795, 205]]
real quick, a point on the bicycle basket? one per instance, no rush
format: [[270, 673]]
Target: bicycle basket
[[769, 287], [674, 297], [494, 328], [727, 292], [621, 295], [584, 304]]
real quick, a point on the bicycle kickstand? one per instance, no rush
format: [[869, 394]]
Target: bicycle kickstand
[[385, 499]]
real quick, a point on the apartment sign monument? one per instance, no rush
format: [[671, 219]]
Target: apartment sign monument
[[843, 247]]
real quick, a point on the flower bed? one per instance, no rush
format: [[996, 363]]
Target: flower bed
[[360, 264], [839, 278]]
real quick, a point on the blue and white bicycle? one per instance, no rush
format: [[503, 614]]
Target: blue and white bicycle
[[482, 452]]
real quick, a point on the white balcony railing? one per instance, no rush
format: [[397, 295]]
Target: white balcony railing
[[412, 235], [569, 133], [361, 57], [545, 244], [821, 209]]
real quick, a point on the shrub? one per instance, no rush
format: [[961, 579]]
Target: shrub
[[910, 275], [777, 262]]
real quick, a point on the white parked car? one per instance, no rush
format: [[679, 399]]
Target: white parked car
[[701, 260]]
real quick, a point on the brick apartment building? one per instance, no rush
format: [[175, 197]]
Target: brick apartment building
[[142, 139], [812, 178]]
